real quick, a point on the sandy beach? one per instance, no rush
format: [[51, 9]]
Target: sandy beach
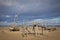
[[5, 34]]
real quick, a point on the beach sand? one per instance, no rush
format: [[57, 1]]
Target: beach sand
[[5, 34]]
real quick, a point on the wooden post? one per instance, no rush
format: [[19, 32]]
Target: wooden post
[[42, 30]]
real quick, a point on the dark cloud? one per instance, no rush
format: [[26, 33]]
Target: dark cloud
[[29, 9]]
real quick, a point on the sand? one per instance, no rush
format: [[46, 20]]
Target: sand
[[5, 34]]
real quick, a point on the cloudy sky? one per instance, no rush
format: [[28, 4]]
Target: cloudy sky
[[43, 11]]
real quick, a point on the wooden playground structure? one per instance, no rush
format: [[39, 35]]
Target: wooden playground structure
[[35, 29]]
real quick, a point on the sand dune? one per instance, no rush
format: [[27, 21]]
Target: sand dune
[[5, 34]]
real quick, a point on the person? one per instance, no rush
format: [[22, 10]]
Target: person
[[35, 28]]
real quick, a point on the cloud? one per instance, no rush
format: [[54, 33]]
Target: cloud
[[6, 23], [7, 2], [35, 10], [27, 5], [54, 21], [7, 16], [30, 4], [3, 23]]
